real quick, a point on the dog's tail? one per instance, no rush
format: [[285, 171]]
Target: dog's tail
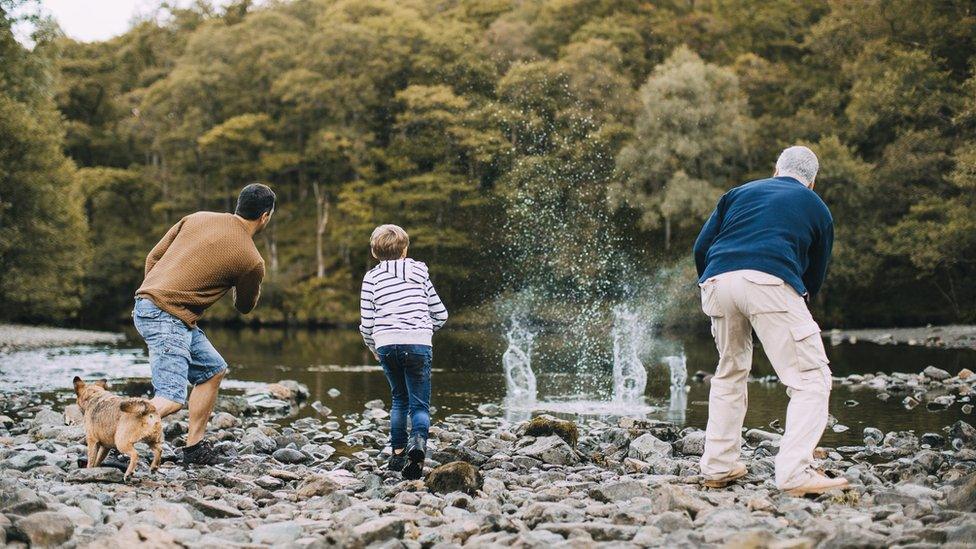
[[138, 406]]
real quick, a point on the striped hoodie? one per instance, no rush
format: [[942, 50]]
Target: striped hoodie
[[399, 305]]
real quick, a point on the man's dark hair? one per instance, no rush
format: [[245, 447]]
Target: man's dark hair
[[254, 201]]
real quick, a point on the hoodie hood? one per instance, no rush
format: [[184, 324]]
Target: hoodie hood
[[405, 269]]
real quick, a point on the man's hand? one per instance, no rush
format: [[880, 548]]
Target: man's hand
[[376, 356]]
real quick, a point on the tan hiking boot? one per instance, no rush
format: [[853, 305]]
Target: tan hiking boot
[[818, 483], [738, 471]]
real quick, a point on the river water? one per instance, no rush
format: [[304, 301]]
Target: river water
[[468, 372]]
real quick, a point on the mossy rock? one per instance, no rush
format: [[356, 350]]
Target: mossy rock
[[546, 425], [456, 476]]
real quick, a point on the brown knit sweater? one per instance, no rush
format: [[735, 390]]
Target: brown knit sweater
[[198, 261]]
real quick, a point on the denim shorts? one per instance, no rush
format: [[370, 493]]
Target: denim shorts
[[178, 355]]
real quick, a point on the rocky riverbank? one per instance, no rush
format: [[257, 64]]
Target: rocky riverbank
[[946, 337], [19, 337], [320, 482]]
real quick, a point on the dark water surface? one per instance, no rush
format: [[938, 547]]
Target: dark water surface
[[468, 372]]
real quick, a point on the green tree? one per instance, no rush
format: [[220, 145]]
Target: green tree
[[691, 139]]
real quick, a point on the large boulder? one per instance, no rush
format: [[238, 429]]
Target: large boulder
[[457, 476], [546, 425], [962, 497], [550, 449], [46, 528], [648, 447]]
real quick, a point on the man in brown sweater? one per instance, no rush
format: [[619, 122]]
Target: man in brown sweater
[[200, 259]]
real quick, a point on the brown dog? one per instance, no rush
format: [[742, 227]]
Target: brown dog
[[116, 422]]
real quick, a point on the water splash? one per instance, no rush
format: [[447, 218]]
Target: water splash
[[517, 360], [678, 403], [678, 365], [629, 374]]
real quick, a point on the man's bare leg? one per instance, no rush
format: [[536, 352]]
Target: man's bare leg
[[165, 407], [202, 399]]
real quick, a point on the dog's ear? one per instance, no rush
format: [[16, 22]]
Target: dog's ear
[[79, 385], [103, 383], [136, 406]]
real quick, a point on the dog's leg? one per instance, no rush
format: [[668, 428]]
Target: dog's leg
[[100, 455], [92, 452], [130, 451], [157, 450]]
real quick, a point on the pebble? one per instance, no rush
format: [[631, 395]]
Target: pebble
[[490, 482]]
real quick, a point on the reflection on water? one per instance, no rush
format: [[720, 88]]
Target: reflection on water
[[468, 372]]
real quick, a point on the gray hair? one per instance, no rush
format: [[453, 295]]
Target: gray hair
[[799, 162]]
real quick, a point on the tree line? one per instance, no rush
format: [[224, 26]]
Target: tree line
[[479, 125]]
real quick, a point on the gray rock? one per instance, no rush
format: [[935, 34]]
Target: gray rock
[[213, 509], [671, 521], [96, 474], [598, 531], [269, 482], [692, 444], [46, 528], [333, 392], [257, 442], [756, 436], [46, 416], [223, 420], [872, 436], [647, 447], [375, 405], [937, 374], [276, 533], [619, 491], [379, 529], [171, 515], [73, 415], [551, 449], [318, 485], [962, 496], [540, 512], [673, 498], [289, 455], [846, 536], [322, 409], [964, 432], [30, 459]]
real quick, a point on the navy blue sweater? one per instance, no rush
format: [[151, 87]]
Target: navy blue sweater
[[776, 226]]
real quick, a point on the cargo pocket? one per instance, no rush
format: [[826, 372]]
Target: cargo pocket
[[709, 300], [810, 352], [767, 294]]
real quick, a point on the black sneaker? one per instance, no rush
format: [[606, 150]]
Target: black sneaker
[[416, 454], [397, 462], [201, 453]]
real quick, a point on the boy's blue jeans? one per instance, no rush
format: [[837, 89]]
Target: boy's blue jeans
[[407, 368]]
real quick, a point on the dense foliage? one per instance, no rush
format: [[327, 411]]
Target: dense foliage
[[487, 126]]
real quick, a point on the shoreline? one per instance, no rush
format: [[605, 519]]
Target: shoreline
[[953, 336], [490, 482], [19, 337]]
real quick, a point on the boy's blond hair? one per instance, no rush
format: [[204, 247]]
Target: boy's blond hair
[[389, 242]]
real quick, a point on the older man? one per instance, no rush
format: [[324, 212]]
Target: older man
[[761, 256]]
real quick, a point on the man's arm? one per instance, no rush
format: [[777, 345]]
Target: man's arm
[[248, 289], [160, 248], [819, 256], [707, 236]]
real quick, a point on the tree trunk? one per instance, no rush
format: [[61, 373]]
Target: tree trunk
[[667, 232], [321, 222]]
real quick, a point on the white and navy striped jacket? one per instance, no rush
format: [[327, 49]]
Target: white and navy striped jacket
[[399, 305]]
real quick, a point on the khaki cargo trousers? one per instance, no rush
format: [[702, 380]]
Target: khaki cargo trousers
[[739, 302]]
